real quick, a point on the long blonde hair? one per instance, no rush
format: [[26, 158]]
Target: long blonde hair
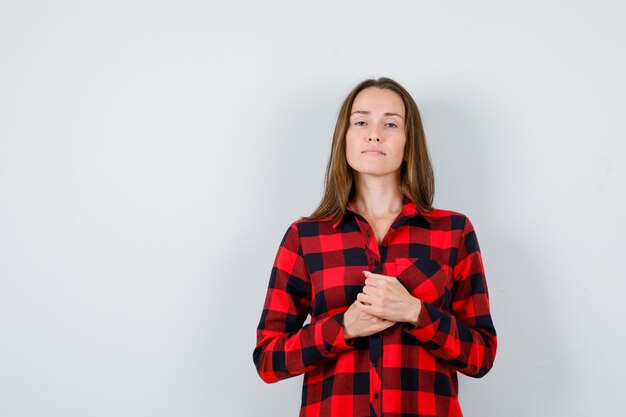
[[416, 172]]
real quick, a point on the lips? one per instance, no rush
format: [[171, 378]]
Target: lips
[[373, 151]]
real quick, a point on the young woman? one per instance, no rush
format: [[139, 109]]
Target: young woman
[[395, 288]]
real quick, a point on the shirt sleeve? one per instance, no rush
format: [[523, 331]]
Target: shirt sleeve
[[465, 337], [285, 348]]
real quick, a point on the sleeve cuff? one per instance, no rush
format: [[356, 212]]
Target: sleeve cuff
[[426, 327], [333, 335]]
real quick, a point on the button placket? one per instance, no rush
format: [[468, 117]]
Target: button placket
[[375, 340], [371, 247]]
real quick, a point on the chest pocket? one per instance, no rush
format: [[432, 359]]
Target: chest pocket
[[426, 279]]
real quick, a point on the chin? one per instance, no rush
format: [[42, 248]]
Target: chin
[[373, 168], [375, 172]]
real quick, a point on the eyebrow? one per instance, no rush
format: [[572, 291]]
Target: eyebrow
[[366, 112]]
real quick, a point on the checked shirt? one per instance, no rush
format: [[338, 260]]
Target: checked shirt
[[403, 370]]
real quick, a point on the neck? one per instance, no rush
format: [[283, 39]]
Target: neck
[[377, 197]]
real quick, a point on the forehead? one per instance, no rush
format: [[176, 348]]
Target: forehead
[[379, 100]]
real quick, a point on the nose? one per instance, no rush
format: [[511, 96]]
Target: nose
[[374, 133]]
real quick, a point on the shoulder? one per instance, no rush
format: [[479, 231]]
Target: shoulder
[[451, 220], [312, 227], [300, 229]]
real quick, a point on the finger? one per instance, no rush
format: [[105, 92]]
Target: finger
[[377, 285], [373, 281], [381, 280], [364, 298], [387, 278], [369, 274], [380, 277], [371, 310], [368, 289]]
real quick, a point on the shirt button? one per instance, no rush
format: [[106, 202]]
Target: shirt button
[[375, 395]]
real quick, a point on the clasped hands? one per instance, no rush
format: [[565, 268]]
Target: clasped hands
[[383, 302]]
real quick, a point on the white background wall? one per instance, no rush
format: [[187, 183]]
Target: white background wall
[[152, 154]]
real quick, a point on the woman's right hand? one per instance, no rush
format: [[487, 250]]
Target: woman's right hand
[[357, 323]]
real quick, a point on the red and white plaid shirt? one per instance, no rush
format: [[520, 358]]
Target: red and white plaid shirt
[[403, 370]]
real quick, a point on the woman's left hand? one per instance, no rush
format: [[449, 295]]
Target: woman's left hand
[[385, 297]]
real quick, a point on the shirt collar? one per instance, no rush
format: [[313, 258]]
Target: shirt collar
[[409, 209]]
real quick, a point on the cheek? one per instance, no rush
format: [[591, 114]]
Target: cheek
[[350, 145], [398, 157], [399, 151]]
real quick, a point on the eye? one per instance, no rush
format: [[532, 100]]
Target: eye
[[391, 124], [360, 121]]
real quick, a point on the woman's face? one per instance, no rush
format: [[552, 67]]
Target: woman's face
[[376, 136]]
